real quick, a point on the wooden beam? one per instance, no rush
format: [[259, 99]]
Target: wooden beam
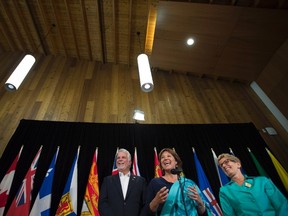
[[58, 25], [129, 33], [47, 26], [24, 21], [7, 38], [101, 29], [256, 3], [281, 3], [14, 28], [151, 25], [114, 32], [35, 46], [73, 29], [87, 34]]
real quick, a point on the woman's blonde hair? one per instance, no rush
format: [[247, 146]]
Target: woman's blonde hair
[[228, 156]]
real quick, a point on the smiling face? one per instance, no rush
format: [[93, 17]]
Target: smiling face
[[123, 163], [167, 161], [230, 167]]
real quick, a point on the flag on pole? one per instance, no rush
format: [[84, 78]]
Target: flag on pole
[[280, 169], [135, 168], [6, 183], [21, 203], [242, 169], [68, 202], [114, 169], [205, 187], [221, 175], [158, 172], [90, 204], [42, 203], [260, 169]]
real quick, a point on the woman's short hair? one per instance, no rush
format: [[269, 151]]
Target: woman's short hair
[[228, 156], [174, 154]]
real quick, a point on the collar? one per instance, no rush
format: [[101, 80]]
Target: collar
[[121, 174], [246, 178]]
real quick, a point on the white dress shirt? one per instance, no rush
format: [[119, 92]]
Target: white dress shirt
[[124, 179]]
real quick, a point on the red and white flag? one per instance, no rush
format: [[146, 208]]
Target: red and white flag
[[114, 169], [205, 187], [135, 168], [6, 183], [158, 172], [22, 201]]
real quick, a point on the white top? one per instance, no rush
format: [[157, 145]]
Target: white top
[[124, 179]]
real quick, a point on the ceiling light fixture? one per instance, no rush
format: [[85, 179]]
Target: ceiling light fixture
[[138, 115], [190, 41], [145, 76], [20, 72]]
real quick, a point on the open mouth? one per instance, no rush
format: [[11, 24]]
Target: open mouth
[[167, 164]]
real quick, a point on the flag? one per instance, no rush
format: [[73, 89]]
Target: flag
[[42, 203], [90, 204], [114, 169], [158, 172], [260, 169], [221, 175], [231, 152], [21, 203], [242, 169], [280, 169], [6, 183], [135, 169], [205, 187], [68, 202]]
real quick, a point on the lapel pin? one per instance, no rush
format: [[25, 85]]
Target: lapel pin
[[248, 184]]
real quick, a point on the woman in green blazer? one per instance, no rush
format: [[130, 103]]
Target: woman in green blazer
[[245, 195]]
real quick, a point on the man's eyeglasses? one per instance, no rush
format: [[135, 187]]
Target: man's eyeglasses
[[225, 162]]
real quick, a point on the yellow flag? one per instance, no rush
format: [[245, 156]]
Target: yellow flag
[[280, 169]]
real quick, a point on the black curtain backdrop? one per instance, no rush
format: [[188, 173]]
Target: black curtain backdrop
[[107, 137]]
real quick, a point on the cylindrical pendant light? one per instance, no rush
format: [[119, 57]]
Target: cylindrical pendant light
[[20, 72], [146, 81]]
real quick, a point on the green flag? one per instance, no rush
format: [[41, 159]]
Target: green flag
[[260, 169]]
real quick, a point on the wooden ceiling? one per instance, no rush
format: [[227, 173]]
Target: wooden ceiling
[[234, 39]]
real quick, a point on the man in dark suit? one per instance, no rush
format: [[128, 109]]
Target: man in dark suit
[[122, 194]]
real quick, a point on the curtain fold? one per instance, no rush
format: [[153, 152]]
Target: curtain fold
[[108, 136]]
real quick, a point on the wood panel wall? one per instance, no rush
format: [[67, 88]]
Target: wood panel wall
[[274, 79], [62, 89]]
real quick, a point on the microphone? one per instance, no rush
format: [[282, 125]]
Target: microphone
[[176, 171]]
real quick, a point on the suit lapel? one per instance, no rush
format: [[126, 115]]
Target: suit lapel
[[132, 183], [117, 183]]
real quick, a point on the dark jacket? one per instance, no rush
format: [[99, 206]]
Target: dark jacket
[[111, 200]]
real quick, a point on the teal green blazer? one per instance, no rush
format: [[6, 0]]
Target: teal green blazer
[[256, 196]]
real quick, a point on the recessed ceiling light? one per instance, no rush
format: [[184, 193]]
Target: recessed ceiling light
[[190, 41]]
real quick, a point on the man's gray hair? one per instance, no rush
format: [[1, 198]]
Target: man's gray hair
[[125, 151]]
